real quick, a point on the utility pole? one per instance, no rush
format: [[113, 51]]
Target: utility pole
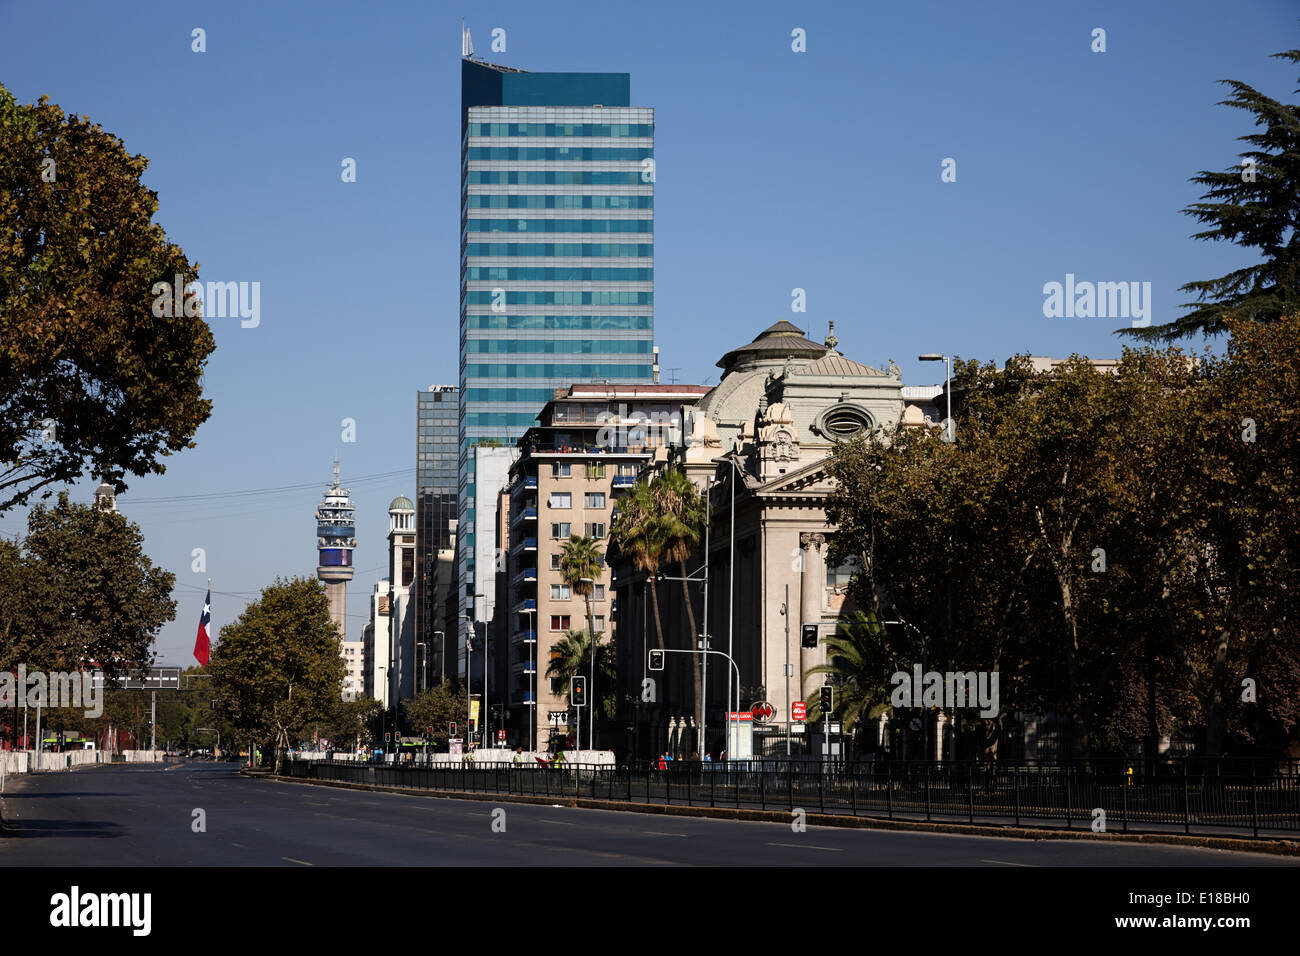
[[789, 704]]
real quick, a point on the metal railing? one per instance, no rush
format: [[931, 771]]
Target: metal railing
[[1187, 795]]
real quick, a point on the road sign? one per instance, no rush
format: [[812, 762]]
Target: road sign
[[798, 710], [762, 711], [156, 678], [808, 635], [501, 736], [656, 660], [796, 728]]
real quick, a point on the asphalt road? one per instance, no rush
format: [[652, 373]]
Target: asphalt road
[[143, 815]]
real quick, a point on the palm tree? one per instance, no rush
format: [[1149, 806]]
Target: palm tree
[[569, 656], [860, 664], [681, 516], [637, 532], [580, 563]]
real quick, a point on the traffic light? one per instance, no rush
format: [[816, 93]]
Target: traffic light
[[473, 726], [578, 691], [656, 660], [451, 729], [827, 698], [809, 635], [387, 737]]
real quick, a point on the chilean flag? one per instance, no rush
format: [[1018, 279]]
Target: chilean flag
[[201, 641]]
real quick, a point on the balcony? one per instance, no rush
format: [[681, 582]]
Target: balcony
[[526, 576], [530, 482], [523, 697], [524, 544], [526, 637], [528, 604], [624, 481]]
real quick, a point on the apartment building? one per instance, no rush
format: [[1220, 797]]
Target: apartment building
[[591, 443]]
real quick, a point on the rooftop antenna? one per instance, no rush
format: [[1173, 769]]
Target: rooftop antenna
[[673, 374], [466, 44]]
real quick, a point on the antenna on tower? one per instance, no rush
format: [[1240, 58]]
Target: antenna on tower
[[672, 374], [336, 471]]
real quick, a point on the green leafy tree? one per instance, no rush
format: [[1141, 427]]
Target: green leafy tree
[[438, 707], [79, 591], [277, 668], [1256, 205], [89, 376], [350, 724]]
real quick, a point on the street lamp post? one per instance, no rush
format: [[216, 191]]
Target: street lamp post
[[701, 641], [532, 704], [950, 429], [950, 435], [925, 723], [591, 683], [731, 586]]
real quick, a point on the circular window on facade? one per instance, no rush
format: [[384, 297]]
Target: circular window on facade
[[843, 422]]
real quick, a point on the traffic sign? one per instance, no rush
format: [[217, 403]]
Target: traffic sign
[[501, 736], [798, 710]]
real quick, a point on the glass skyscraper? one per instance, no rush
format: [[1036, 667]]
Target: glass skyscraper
[[436, 479], [557, 257]]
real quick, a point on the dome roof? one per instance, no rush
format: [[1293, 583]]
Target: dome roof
[[782, 340], [401, 503]]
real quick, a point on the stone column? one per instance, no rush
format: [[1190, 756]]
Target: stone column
[[812, 591]]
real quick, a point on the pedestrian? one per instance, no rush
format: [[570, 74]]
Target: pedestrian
[[663, 760]]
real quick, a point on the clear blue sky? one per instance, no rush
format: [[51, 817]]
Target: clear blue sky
[[775, 170]]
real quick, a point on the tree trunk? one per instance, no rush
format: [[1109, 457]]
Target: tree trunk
[[654, 604]]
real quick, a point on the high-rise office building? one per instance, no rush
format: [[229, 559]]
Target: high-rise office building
[[557, 261], [437, 440]]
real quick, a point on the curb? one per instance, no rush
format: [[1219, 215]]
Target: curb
[[1279, 847]]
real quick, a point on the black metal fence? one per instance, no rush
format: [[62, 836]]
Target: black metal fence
[[1186, 795]]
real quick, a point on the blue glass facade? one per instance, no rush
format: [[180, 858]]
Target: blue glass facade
[[560, 157]]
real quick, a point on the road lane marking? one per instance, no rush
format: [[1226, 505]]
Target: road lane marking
[[559, 823], [657, 833], [809, 846], [1005, 863], [292, 860]]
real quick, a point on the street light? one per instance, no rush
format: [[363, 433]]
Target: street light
[[731, 590], [591, 635], [532, 704], [925, 723], [950, 427]]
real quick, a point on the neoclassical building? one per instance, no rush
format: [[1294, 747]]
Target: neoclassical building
[[760, 439]]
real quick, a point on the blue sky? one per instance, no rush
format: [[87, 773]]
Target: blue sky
[[775, 170]]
